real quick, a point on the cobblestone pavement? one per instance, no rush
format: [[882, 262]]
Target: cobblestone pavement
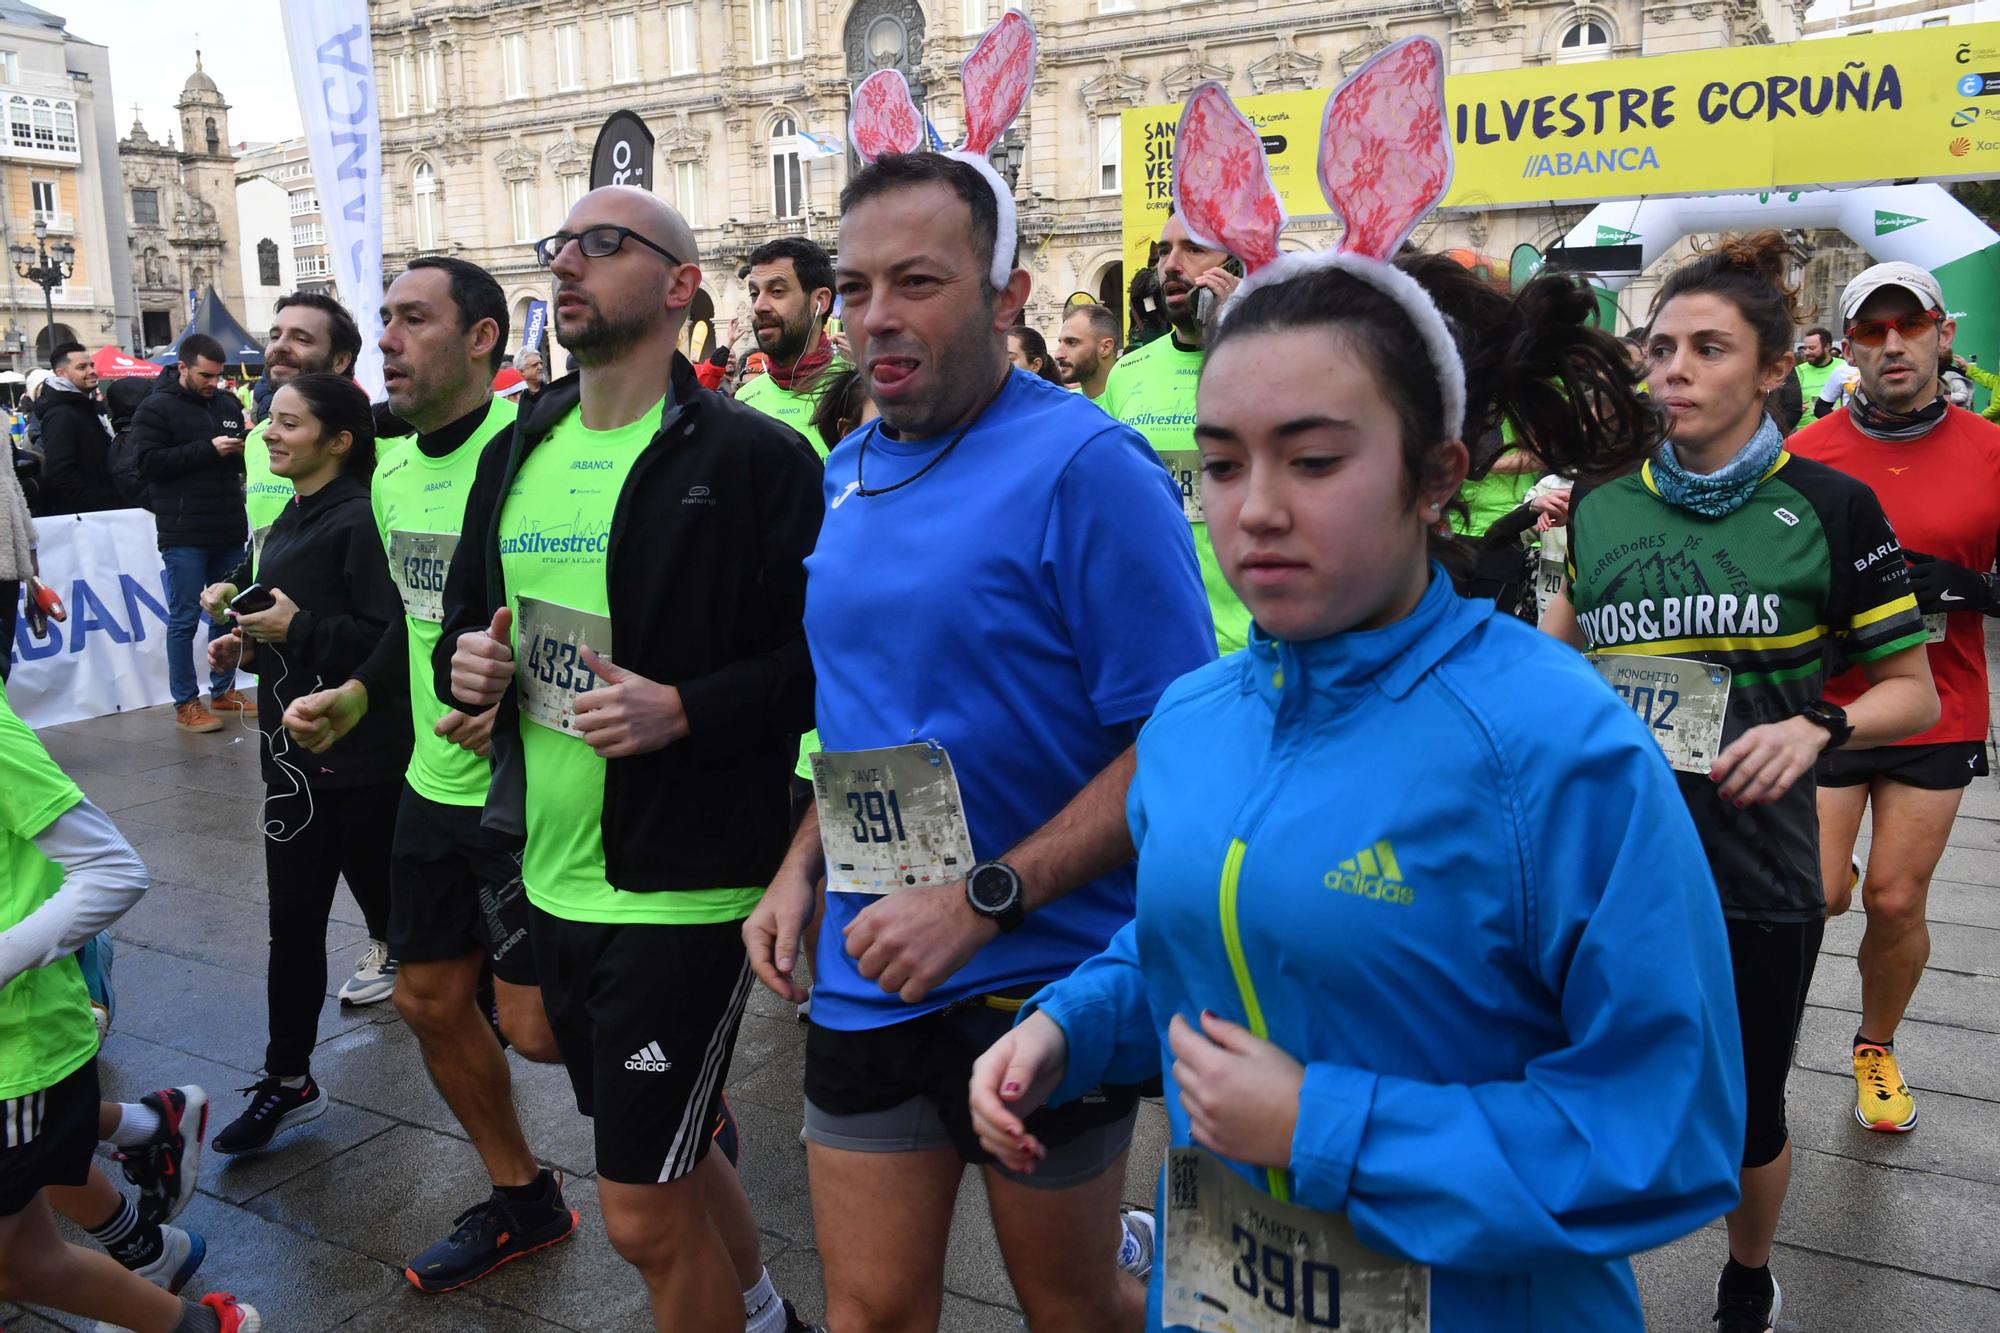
[[1881, 1232]]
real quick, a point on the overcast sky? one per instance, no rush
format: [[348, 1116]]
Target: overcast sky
[[152, 53]]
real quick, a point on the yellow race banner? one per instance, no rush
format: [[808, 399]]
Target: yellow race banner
[[1923, 104]]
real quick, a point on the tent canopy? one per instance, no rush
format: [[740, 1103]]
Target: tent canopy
[[213, 318], [113, 364]]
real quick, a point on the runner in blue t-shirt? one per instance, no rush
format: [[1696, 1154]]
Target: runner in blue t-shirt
[[1003, 586]]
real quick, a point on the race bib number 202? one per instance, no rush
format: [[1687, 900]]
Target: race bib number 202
[[1239, 1261], [1684, 703], [548, 665], [890, 818]]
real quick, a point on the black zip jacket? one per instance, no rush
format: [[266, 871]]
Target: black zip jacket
[[76, 442], [197, 493], [707, 583], [325, 554]]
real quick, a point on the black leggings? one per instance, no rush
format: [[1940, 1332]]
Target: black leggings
[[349, 833], [1773, 963]]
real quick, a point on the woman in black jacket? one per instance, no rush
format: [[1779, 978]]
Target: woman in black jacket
[[329, 602]]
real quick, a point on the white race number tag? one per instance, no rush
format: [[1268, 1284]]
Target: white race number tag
[[890, 818], [1184, 466], [548, 666], [1238, 1261], [257, 540], [1935, 625], [1551, 577], [417, 562], [1683, 702]]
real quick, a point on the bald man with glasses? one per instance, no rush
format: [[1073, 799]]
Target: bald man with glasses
[[629, 594]]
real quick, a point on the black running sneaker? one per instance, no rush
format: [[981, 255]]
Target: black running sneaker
[[1747, 1312], [273, 1109], [794, 1324], [165, 1167], [495, 1231]]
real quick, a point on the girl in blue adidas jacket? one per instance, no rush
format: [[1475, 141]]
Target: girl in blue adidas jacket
[[1424, 931]]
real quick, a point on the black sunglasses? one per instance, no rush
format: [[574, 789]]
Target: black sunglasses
[[596, 243]]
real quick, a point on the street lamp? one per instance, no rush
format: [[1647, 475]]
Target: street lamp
[[46, 268], [1006, 158]]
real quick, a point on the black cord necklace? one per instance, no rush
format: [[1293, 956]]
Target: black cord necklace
[[861, 454]]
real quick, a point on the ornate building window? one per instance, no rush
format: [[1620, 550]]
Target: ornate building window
[[65, 127], [787, 177], [268, 274], [680, 39], [569, 58], [625, 47], [399, 85], [1110, 153], [975, 16], [145, 208], [687, 191], [214, 139], [45, 125], [19, 124], [424, 198], [762, 13], [521, 208], [1584, 40]]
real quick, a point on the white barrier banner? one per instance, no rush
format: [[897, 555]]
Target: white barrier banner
[[110, 655], [333, 69]]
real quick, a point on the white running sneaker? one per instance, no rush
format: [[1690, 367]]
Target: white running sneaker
[[374, 978], [181, 1253], [1135, 1249]]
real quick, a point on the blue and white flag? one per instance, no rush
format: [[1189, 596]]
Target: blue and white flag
[[333, 69], [813, 145], [538, 319]]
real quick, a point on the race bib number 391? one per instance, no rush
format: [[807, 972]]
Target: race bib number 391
[[1238, 1261], [890, 818], [1682, 702], [548, 664], [417, 562]]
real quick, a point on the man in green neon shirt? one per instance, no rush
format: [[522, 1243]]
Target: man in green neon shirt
[[456, 902], [791, 294], [311, 334], [1818, 364], [1152, 390], [628, 598]]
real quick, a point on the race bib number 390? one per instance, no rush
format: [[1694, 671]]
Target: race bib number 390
[[548, 663], [1682, 702], [1238, 1261], [417, 562], [890, 818], [1184, 466]]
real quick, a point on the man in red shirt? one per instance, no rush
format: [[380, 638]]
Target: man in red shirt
[[1936, 470]]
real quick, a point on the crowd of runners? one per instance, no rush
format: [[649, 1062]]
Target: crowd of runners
[[1166, 746]]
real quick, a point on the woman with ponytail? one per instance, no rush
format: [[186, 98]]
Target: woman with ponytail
[[327, 600], [1716, 583]]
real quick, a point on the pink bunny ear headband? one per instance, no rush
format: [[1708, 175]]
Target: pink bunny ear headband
[[997, 76], [1384, 161]]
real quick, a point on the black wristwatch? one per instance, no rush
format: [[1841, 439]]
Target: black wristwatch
[[1831, 716], [994, 891]]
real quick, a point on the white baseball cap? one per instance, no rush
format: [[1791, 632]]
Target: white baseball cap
[[1916, 281]]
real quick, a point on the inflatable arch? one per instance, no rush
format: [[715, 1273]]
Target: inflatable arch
[[1921, 224]]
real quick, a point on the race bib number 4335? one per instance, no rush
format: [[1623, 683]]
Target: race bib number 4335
[[1682, 702], [1238, 1261], [890, 818], [548, 665]]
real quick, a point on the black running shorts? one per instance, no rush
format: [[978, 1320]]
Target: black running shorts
[[1946, 767], [1773, 964], [906, 1088], [455, 889], [646, 1019], [47, 1138]]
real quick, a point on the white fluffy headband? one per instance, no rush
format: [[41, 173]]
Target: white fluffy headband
[[998, 76], [1384, 161]]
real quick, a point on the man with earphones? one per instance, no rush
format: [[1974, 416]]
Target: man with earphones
[[791, 296]]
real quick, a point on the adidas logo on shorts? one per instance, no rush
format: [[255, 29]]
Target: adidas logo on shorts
[[650, 1060]]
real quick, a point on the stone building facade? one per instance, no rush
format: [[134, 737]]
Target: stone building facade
[[181, 203], [489, 110], [59, 174]]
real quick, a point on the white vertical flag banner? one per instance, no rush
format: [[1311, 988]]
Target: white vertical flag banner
[[333, 68]]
